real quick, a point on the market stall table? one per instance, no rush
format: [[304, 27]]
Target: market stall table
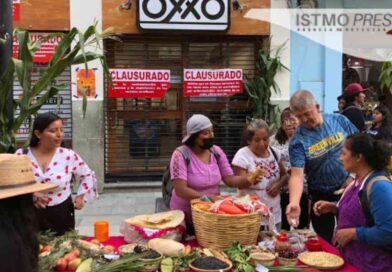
[[117, 241]]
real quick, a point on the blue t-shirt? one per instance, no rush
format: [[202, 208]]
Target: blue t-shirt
[[318, 150]]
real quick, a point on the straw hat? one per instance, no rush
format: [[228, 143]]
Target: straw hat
[[161, 220], [17, 177]]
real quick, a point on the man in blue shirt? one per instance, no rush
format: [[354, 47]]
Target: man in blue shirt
[[314, 150]]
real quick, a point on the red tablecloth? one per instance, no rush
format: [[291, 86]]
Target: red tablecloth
[[117, 241]]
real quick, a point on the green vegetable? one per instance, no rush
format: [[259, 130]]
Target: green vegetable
[[167, 265], [131, 262], [181, 263], [85, 266], [239, 256]]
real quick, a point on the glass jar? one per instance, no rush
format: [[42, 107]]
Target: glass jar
[[282, 243]]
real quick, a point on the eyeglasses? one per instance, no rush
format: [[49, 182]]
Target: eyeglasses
[[290, 121]]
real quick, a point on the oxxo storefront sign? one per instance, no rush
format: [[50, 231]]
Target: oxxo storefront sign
[[185, 15]]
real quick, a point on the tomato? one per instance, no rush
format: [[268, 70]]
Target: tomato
[[71, 256], [61, 264]]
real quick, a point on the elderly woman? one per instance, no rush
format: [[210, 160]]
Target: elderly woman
[[202, 173], [364, 230], [53, 163], [18, 224]]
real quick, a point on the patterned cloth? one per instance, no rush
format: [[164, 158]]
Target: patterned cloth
[[318, 151], [64, 163], [199, 176], [246, 159]]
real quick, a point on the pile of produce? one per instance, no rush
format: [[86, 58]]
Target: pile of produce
[[71, 253], [232, 205]]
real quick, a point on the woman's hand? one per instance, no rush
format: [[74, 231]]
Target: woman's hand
[[274, 189], [256, 176], [40, 200], [215, 198], [345, 236], [322, 207], [79, 202]]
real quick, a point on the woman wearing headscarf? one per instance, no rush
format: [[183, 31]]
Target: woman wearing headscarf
[[207, 166]]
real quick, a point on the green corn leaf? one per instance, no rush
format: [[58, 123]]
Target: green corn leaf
[[6, 83], [64, 46], [84, 100]]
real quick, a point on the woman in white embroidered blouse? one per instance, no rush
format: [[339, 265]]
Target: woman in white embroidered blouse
[[53, 163]]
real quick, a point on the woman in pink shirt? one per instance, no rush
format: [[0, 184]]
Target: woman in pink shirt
[[207, 166]]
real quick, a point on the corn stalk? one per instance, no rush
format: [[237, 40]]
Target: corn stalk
[[71, 50], [260, 87]]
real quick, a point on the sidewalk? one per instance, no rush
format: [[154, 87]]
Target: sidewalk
[[114, 206]]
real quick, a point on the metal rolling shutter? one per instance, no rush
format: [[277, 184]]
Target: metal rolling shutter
[[63, 109], [141, 134]]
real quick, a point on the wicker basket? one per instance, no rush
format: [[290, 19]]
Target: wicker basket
[[218, 231]]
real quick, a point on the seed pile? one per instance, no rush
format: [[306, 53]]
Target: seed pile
[[209, 263]]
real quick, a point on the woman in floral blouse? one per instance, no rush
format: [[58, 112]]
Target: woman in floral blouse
[[55, 164]]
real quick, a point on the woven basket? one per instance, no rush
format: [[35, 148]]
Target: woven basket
[[218, 231]]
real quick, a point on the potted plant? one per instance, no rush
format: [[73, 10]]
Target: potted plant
[[71, 50], [260, 87]]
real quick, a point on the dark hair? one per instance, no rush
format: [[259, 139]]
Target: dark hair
[[281, 135], [191, 141], [341, 97], [387, 117], [376, 153], [41, 122], [251, 128], [350, 98], [18, 222]]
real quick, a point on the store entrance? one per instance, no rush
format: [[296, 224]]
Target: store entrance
[[141, 133]]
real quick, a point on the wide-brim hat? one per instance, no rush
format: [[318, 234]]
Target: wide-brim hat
[[17, 177], [195, 124], [161, 220]]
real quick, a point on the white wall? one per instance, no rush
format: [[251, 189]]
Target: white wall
[[280, 36]]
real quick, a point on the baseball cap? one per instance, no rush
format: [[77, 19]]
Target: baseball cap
[[196, 123], [353, 89]]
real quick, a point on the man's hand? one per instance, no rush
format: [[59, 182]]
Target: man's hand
[[79, 202], [345, 236], [293, 211], [40, 200], [322, 207]]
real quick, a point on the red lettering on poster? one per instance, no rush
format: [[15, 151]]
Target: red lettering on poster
[[139, 83], [212, 82], [44, 53]]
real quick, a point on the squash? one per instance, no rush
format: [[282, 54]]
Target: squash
[[167, 247], [85, 266]]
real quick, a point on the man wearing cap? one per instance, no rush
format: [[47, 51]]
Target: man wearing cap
[[354, 95], [315, 150]]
